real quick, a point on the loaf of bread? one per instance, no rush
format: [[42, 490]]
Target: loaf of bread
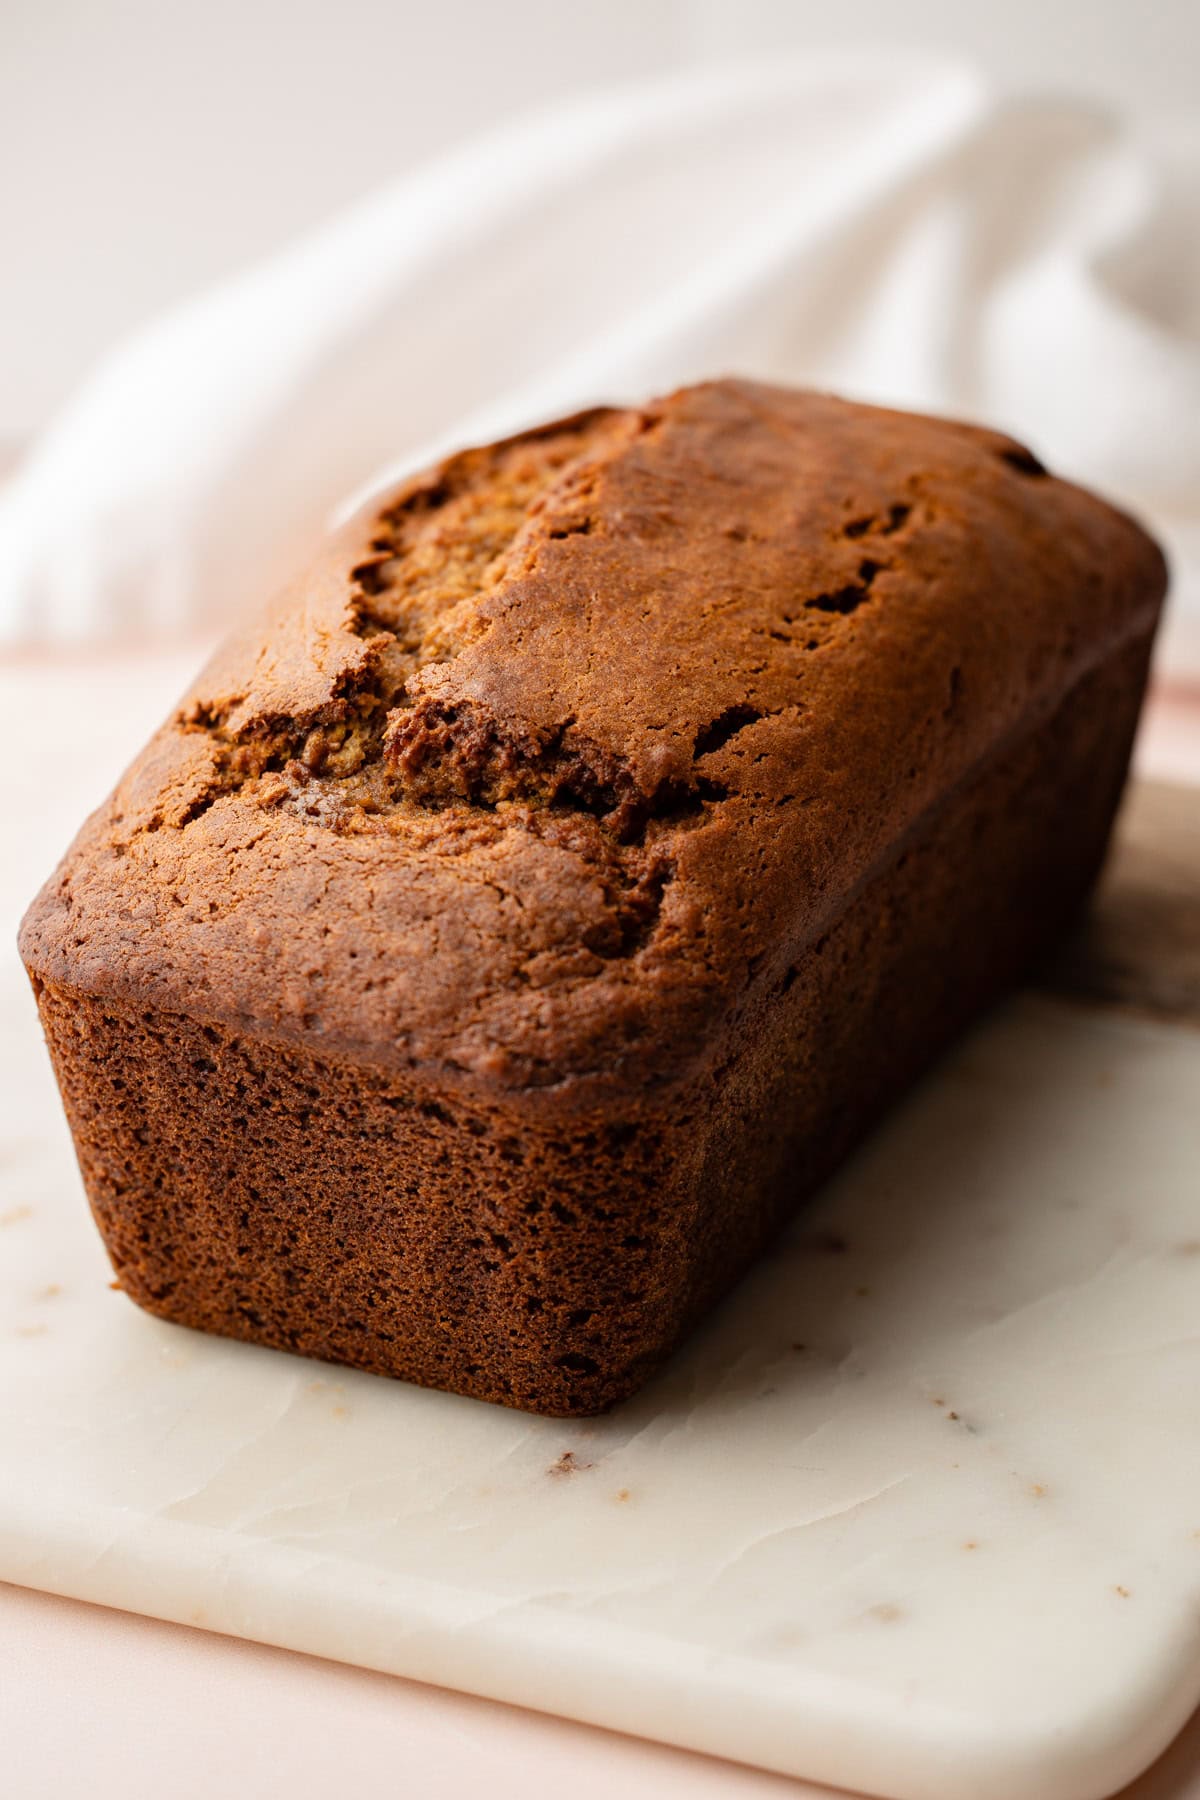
[[523, 915]]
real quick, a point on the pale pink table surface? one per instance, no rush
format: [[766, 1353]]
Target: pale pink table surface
[[94, 1702]]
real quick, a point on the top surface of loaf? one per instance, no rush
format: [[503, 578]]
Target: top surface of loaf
[[566, 742]]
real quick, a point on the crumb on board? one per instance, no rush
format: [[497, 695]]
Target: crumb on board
[[568, 1464]]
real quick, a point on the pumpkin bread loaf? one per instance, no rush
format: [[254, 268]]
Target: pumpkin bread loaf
[[525, 913]]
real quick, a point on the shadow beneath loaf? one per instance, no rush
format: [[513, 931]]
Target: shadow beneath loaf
[[967, 1205], [888, 1257]]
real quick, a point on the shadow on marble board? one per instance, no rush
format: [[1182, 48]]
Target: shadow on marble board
[[1014, 1172], [980, 1164]]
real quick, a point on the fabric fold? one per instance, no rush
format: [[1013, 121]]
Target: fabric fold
[[886, 226]]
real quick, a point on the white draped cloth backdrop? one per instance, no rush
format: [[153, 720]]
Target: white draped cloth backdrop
[[892, 229]]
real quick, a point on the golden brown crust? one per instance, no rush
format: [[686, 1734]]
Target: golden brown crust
[[564, 745]]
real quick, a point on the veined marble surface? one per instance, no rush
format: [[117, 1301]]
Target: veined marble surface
[[919, 1512]]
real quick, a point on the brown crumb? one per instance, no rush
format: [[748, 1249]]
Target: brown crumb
[[1123, 1591], [568, 1464], [622, 1495]]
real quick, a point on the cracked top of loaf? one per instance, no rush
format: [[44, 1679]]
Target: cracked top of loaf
[[567, 744]]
